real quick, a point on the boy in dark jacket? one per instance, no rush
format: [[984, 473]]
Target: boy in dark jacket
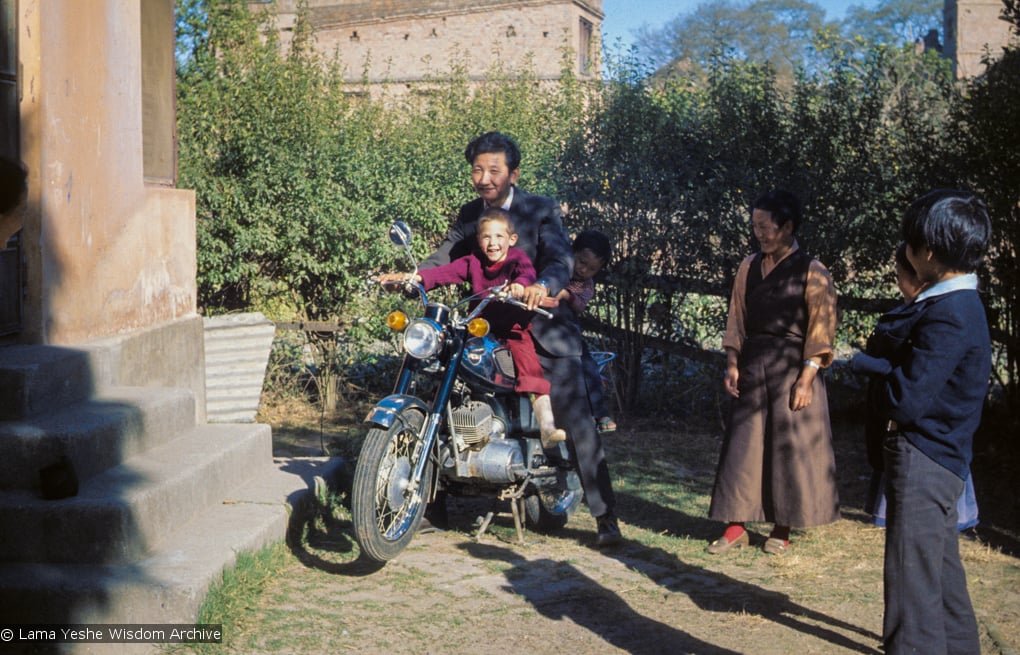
[[940, 352]]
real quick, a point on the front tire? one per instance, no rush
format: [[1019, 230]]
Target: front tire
[[385, 511]]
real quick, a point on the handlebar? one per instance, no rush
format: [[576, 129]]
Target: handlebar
[[499, 293], [517, 302]]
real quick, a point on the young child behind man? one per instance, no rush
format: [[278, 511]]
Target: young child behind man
[[493, 263], [592, 251]]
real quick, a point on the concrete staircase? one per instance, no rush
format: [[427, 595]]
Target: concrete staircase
[[163, 504]]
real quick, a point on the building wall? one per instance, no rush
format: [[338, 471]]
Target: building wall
[[106, 253], [406, 42], [973, 27]]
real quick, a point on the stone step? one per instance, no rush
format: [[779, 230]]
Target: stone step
[[35, 379], [94, 435], [125, 512], [169, 585]]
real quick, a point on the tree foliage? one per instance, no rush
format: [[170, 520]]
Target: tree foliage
[[670, 169], [893, 22], [298, 175], [781, 34], [775, 32]]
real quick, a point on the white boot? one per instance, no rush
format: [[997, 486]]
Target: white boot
[[542, 407]]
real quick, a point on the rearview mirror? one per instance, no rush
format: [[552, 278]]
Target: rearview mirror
[[400, 234]]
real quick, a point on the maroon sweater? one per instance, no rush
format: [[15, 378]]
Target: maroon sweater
[[473, 268]]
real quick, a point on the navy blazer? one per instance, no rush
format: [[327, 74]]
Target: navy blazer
[[539, 225], [941, 355]]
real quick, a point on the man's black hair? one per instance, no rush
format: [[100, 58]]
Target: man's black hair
[[494, 142], [953, 224], [783, 205]]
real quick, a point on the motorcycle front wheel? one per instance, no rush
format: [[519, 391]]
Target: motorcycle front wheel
[[385, 508]]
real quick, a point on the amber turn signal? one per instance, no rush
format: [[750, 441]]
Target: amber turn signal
[[478, 327], [396, 320]]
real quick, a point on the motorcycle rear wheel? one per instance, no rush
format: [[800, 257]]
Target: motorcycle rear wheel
[[385, 511], [549, 510]]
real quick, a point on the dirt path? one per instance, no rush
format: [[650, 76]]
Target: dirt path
[[450, 594]]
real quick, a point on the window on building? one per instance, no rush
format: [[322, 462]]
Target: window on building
[[159, 123], [584, 44]]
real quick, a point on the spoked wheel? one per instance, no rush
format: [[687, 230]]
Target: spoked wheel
[[552, 506], [386, 508]]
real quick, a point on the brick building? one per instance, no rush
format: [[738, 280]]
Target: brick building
[[972, 27], [406, 42]]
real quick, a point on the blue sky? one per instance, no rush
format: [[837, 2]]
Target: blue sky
[[625, 16]]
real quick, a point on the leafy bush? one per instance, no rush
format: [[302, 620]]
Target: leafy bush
[[297, 177]]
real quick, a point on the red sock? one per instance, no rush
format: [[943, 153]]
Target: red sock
[[733, 532]]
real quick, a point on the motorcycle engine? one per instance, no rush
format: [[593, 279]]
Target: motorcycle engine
[[475, 423], [487, 454]]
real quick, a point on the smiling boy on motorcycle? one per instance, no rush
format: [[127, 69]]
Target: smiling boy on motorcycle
[[495, 263]]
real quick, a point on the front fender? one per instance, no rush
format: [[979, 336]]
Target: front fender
[[386, 410]]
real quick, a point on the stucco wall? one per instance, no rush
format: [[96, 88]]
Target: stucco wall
[[106, 254]]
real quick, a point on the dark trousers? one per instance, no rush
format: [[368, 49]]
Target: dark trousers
[[569, 396], [927, 607]]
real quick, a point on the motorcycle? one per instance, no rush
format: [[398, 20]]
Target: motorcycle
[[453, 424]]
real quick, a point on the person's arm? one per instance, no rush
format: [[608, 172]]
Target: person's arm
[[523, 273], [867, 364], [455, 272], [733, 338], [460, 240], [579, 294], [554, 259], [820, 298]]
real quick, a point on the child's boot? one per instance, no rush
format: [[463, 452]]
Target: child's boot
[[551, 435]]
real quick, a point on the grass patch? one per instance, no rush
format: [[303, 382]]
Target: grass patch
[[229, 601]]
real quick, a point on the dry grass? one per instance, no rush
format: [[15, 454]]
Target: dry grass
[[824, 596]]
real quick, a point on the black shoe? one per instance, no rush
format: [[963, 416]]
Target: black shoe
[[609, 531]]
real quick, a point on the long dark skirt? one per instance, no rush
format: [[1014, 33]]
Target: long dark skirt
[[776, 465]]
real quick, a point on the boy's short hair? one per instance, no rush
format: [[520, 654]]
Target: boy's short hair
[[783, 205], [595, 241], [497, 214], [953, 224]]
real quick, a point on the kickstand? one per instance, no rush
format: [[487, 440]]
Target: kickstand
[[517, 507], [484, 525]]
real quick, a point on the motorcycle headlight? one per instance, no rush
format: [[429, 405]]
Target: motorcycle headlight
[[423, 338]]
